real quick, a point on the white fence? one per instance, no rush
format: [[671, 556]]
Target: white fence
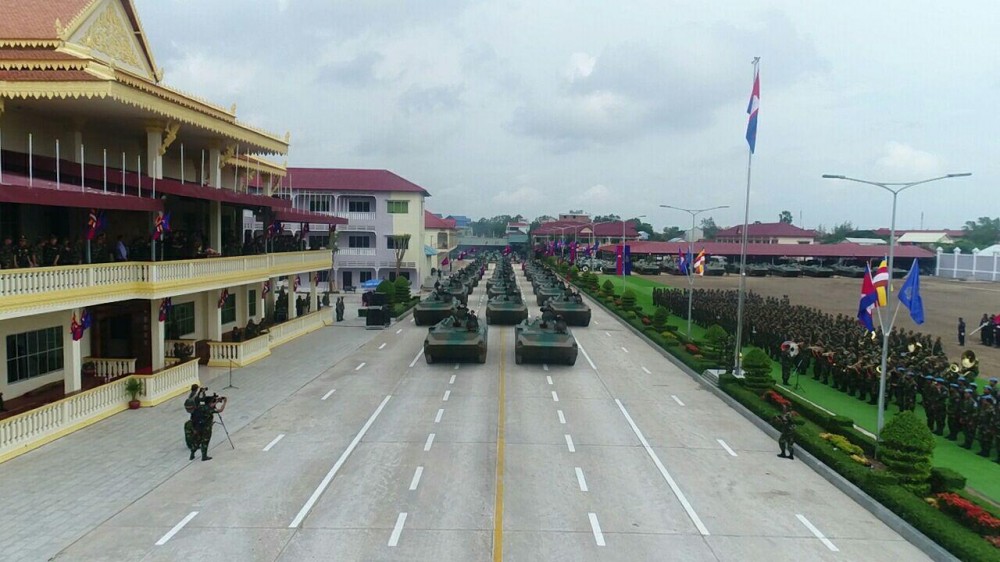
[[978, 266], [238, 354], [32, 429]]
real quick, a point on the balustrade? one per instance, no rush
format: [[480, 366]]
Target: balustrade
[[238, 354], [108, 368]]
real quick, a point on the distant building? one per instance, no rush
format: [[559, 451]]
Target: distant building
[[584, 232], [931, 238], [517, 228], [866, 241], [440, 238], [578, 216], [462, 223], [951, 233], [767, 233]]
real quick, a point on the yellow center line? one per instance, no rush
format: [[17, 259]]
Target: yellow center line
[[501, 422]]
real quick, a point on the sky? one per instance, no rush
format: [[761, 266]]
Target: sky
[[536, 108]]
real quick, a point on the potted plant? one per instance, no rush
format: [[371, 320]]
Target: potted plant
[[183, 351], [133, 387], [89, 369]]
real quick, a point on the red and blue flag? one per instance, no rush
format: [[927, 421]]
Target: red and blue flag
[[868, 302], [752, 111]]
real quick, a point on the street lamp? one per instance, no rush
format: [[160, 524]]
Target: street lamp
[[623, 249], [895, 189], [693, 213]]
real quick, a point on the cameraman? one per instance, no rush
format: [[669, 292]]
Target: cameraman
[[198, 431]]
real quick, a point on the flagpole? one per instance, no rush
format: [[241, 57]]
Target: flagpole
[[738, 359]]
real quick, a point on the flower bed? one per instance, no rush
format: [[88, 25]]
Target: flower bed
[[973, 516]]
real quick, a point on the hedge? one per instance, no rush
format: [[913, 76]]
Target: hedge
[[946, 480]]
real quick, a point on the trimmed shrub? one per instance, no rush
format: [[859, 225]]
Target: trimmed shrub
[[757, 370], [628, 299], [401, 290], [388, 289], [660, 318], [608, 288], [906, 451], [946, 480]]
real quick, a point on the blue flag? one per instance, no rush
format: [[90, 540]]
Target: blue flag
[[909, 294], [627, 265], [682, 263]]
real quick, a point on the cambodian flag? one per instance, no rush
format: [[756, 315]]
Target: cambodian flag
[[682, 262], [752, 111], [869, 298]]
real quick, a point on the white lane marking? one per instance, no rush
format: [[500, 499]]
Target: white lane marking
[[569, 443], [163, 540], [663, 471], [340, 462], [607, 334], [397, 530], [555, 397], [456, 366], [327, 395], [645, 370], [451, 380], [437, 418], [726, 447], [545, 367], [624, 349], [586, 356], [274, 442], [399, 331], [416, 478], [548, 378], [596, 323], [676, 399], [411, 320], [562, 418], [382, 346], [816, 532], [581, 480], [447, 393], [430, 441], [359, 367], [415, 359], [596, 527]]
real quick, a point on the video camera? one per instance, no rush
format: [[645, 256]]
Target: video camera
[[209, 399]]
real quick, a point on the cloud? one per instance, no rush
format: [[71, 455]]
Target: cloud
[[580, 65], [597, 196], [517, 198], [903, 159], [419, 100], [357, 71]]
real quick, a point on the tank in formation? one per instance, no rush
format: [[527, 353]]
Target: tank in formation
[[544, 341], [546, 290], [457, 289], [507, 309], [459, 337], [435, 308], [571, 307]]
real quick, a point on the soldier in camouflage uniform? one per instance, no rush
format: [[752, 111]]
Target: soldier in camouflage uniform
[[787, 439], [968, 418], [7, 258], [987, 413], [952, 406]]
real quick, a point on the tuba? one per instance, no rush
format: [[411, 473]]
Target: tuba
[[790, 347], [969, 359], [953, 368]]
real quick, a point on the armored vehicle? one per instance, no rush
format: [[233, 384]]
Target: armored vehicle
[[571, 308], [817, 271], [459, 337], [508, 309], [543, 341], [786, 270], [646, 267], [546, 292], [457, 289], [436, 307]]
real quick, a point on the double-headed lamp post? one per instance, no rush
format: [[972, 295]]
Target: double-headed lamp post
[[895, 189], [624, 222], [694, 213]]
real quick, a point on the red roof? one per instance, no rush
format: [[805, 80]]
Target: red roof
[[300, 216], [775, 229], [37, 20], [433, 221], [347, 179], [44, 192], [567, 227], [842, 250], [948, 232]]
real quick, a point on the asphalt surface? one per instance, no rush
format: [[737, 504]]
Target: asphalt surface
[[384, 457]]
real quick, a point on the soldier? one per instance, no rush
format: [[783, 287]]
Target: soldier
[[7, 254], [967, 413], [787, 427], [202, 420], [987, 411], [908, 393], [939, 406], [50, 252], [786, 366], [952, 407], [340, 309], [560, 324], [23, 255]]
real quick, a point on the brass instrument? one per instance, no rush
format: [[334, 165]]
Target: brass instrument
[[968, 359], [953, 368]]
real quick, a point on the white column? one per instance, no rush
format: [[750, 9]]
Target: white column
[[213, 315], [937, 265], [242, 305], [313, 292], [72, 359], [270, 299], [214, 167], [292, 313], [157, 335], [77, 143], [154, 140], [215, 225], [995, 254], [954, 266], [975, 255]]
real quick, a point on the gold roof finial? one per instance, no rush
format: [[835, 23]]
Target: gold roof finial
[[233, 109]]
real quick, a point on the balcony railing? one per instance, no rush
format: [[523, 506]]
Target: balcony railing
[[44, 289], [356, 251], [238, 354], [295, 327], [356, 217], [108, 368]]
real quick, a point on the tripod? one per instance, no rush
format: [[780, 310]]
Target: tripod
[[230, 378], [223, 424]]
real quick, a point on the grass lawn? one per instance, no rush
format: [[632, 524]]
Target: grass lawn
[[983, 475]]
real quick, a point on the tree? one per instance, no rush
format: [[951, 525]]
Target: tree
[[607, 218], [982, 233], [785, 217], [645, 227], [400, 243], [709, 228], [671, 232], [838, 234], [908, 446], [757, 370]]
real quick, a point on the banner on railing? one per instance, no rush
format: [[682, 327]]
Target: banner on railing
[[266, 289], [166, 305]]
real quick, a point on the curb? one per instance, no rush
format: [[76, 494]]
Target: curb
[[893, 521]]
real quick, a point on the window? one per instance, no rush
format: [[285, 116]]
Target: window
[[180, 321], [319, 205], [359, 242], [393, 243], [400, 207], [359, 207], [33, 354], [403, 274], [365, 276], [229, 309], [252, 303]]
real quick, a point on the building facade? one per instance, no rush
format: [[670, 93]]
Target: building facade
[[379, 208], [122, 204], [440, 240], [767, 233]]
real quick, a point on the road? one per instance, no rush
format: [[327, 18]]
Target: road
[[384, 457]]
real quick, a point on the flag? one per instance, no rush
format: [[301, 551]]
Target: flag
[[682, 262], [909, 294], [274, 229], [445, 261], [266, 289], [165, 306], [161, 225], [699, 263], [295, 283], [96, 223], [75, 329], [506, 251], [881, 282], [572, 252], [752, 111], [619, 265], [627, 260], [223, 297], [85, 319], [868, 301]]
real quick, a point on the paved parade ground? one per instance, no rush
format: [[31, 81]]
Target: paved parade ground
[[348, 446]]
